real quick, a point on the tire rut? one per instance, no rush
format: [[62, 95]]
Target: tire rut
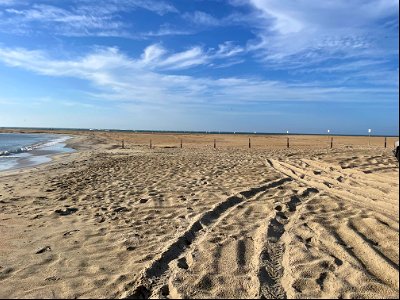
[[151, 281], [329, 186], [271, 268]]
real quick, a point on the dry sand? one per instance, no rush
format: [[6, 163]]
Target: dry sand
[[199, 222]]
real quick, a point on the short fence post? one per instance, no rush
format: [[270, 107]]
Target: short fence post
[[331, 142], [215, 145], [122, 144], [181, 143], [287, 143], [150, 144], [249, 143], [385, 141]]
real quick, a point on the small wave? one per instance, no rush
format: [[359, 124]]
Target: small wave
[[53, 142], [39, 145], [16, 151]]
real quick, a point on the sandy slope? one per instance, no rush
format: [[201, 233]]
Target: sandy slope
[[197, 222]]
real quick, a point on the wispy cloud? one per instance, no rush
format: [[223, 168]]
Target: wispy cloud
[[79, 18], [159, 7], [157, 57], [303, 33], [136, 81], [164, 31], [229, 49], [9, 2], [188, 58], [201, 18], [152, 54]]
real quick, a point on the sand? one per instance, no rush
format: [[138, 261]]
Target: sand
[[199, 222]]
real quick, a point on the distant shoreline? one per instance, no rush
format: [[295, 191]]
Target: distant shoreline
[[56, 130], [212, 140]]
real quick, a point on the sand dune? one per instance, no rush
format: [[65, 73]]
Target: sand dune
[[197, 222]]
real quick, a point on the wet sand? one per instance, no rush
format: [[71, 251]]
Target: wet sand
[[199, 222]]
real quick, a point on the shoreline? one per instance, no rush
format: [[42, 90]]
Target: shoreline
[[40, 155], [183, 132], [77, 143], [239, 141]]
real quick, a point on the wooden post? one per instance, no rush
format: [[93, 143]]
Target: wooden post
[[181, 143], [122, 145], [385, 141], [249, 143], [287, 144], [215, 145], [331, 142], [150, 144]]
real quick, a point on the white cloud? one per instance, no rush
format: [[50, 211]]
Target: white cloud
[[201, 18], [157, 57], [9, 2], [157, 6], [300, 33], [284, 21], [152, 54], [79, 18], [228, 49], [117, 77], [57, 20], [188, 58], [205, 20], [164, 31]]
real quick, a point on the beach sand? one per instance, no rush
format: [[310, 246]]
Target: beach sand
[[199, 222]]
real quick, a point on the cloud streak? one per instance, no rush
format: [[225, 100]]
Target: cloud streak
[[79, 18], [135, 81], [157, 57], [303, 33]]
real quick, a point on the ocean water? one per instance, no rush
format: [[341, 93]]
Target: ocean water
[[19, 150]]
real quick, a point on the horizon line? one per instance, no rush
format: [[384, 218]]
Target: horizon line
[[199, 131]]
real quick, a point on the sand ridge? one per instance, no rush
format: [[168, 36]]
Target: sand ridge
[[198, 222]]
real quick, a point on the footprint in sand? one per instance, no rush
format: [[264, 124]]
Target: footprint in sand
[[44, 249], [66, 212]]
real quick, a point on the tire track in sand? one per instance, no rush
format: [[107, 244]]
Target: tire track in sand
[[271, 267], [151, 281], [322, 181], [337, 223]]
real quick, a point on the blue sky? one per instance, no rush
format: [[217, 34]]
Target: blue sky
[[235, 65]]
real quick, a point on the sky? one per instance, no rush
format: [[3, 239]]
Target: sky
[[301, 66]]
